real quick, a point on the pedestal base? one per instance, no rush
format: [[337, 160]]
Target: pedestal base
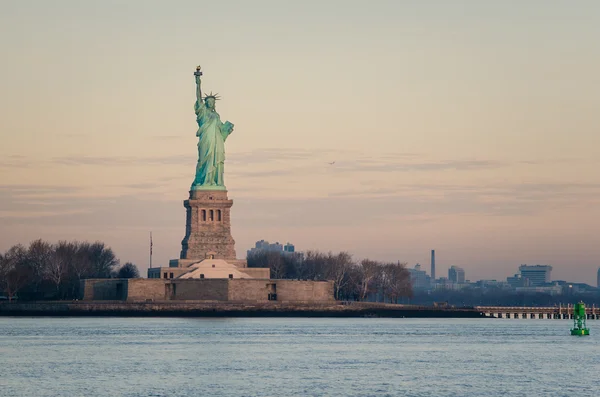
[[208, 227]]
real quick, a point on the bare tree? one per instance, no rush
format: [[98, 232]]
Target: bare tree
[[43, 270], [351, 290], [15, 272], [38, 256], [276, 264], [351, 280], [370, 271], [397, 281], [274, 260], [383, 282], [81, 265], [314, 266], [338, 267], [59, 264]]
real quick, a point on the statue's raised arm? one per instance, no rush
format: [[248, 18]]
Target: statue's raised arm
[[197, 74]]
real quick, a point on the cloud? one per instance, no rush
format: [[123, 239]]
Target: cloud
[[342, 167], [26, 201], [120, 161], [168, 137], [93, 213], [261, 174], [270, 155], [268, 162], [18, 202], [259, 156], [25, 191], [514, 190], [414, 166], [267, 155], [350, 210], [73, 135], [366, 199], [14, 161]]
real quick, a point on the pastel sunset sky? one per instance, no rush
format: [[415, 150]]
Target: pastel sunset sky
[[469, 127]]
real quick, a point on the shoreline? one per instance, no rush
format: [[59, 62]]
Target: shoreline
[[228, 309]]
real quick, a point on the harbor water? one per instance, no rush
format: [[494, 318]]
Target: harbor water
[[296, 357]]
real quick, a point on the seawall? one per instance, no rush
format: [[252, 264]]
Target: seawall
[[230, 309]]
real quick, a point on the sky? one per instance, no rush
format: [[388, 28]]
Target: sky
[[467, 127]]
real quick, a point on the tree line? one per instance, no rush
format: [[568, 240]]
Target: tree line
[[53, 271], [352, 280], [43, 271]]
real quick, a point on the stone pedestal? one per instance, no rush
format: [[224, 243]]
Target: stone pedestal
[[207, 227]]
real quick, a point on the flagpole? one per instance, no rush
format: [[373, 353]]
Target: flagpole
[[150, 250]]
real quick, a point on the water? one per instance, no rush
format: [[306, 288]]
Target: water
[[296, 357]]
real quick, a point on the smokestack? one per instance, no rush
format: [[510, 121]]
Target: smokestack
[[432, 265]]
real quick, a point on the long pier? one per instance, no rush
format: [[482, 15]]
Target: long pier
[[561, 312]]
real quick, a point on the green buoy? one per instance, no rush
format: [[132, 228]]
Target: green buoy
[[579, 317]]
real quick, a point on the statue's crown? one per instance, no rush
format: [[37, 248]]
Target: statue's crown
[[213, 96]]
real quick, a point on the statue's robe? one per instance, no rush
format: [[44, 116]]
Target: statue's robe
[[212, 134]]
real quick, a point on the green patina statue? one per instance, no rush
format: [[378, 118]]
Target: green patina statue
[[211, 134]]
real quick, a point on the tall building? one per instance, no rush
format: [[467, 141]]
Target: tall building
[[537, 275], [456, 274], [598, 279], [433, 265], [419, 278], [287, 249]]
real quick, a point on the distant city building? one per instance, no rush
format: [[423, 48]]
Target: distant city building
[[577, 288], [598, 279], [456, 274], [537, 275], [419, 278], [492, 284], [517, 281], [550, 290], [264, 245], [443, 283]]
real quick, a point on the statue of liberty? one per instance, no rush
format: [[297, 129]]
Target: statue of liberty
[[211, 134]]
